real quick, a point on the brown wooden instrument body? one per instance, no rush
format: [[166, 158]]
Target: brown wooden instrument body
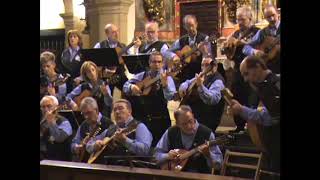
[[107, 140], [184, 155], [84, 94], [271, 47], [254, 129]]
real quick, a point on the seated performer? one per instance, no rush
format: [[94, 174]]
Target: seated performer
[[51, 82], [70, 58], [136, 143], [267, 86], [153, 44], [95, 86], [55, 131], [269, 39], [93, 120], [205, 99], [188, 134], [152, 108]]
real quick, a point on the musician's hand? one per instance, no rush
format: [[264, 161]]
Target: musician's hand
[[176, 59], [120, 137], [98, 145], [135, 90], [108, 72], [235, 107], [173, 154], [77, 81], [51, 91], [259, 53], [137, 42], [203, 48], [164, 79], [73, 106], [199, 80], [205, 150], [182, 92], [104, 90], [77, 148]]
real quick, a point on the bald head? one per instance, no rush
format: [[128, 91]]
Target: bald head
[[151, 30], [112, 32], [271, 15]]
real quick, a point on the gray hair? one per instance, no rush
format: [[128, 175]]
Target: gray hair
[[245, 10], [186, 17], [183, 109], [47, 97], [89, 102], [152, 22]]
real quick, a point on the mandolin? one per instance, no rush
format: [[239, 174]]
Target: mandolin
[[181, 160]]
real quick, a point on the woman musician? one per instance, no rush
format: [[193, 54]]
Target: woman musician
[[92, 86], [51, 83]]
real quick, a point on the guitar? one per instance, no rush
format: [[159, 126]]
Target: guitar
[[58, 82], [107, 140], [254, 129], [183, 155], [185, 54], [271, 48], [231, 45], [191, 89], [146, 84], [82, 151]]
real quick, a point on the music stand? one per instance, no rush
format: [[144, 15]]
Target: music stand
[[135, 161], [105, 57], [136, 63], [75, 118]]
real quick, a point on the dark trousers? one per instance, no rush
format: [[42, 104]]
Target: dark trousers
[[244, 94]]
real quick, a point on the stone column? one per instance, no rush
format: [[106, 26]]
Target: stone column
[[102, 12]]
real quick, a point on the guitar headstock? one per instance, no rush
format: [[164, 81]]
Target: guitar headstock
[[96, 132], [227, 94]]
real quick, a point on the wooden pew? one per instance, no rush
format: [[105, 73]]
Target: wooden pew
[[54, 170]]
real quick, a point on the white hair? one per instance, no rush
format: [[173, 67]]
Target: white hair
[[47, 97], [186, 17], [152, 22], [245, 10]]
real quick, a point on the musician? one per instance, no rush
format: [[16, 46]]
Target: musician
[[240, 89], [112, 41], [188, 134], [192, 38], [93, 119], [100, 91], [55, 131], [137, 143], [152, 108], [70, 58], [206, 103], [273, 30], [267, 86], [47, 83], [152, 43]]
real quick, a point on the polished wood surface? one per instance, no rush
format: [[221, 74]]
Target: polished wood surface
[[53, 170]]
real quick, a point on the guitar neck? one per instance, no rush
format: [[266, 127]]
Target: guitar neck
[[125, 49]]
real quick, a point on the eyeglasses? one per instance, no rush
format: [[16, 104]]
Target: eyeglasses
[[155, 62], [86, 113]]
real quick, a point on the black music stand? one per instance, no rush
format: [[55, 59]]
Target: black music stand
[[136, 63], [105, 57], [75, 118], [135, 161]]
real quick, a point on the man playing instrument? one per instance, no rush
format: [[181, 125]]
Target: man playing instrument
[[273, 31], [267, 86], [137, 143], [152, 108], [188, 134], [205, 100], [240, 89], [93, 120], [55, 131]]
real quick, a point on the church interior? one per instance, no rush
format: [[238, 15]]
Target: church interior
[[160, 89]]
